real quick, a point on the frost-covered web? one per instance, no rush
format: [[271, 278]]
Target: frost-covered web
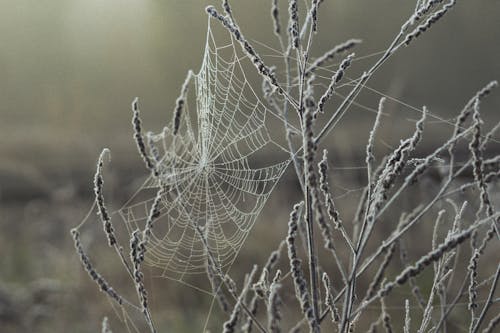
[[216, 181]]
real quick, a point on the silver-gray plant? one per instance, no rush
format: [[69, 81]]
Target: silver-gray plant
[[178, 154]]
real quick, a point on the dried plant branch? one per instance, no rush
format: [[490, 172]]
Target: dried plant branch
[[386, 185], [425, 261], [329, 55]]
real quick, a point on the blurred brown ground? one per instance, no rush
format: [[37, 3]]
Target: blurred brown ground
[[69, 71]]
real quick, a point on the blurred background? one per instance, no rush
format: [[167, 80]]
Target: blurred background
[[69, 71]]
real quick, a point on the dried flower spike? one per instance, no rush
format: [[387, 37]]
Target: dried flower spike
[[139, 141], [99, 197], [293, 28], [87, 265]]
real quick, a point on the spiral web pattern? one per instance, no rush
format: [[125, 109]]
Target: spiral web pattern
[[215, 192]]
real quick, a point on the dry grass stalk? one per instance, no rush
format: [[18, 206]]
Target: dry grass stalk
[[326, 230], [339, 74], [425, 261], [477, 163], [99, 197], [274, 304], [137, 252], [436, 16], [231, 324], [374, 202], [468, 108], [333, 212], [311, 202], [370, 157], [313, 15], [271, 262], [329, 300], [153, 215], [180, 103], [137, 257], [261, 287], [139, 140], [89, 268], [329, 55], [293, 26], [275, 14], [300, 283], [472, 268], [398, 158]]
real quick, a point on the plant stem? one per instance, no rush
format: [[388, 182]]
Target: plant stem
[[313, 274]]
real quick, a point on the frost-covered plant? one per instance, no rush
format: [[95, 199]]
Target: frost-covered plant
[[209, 194]]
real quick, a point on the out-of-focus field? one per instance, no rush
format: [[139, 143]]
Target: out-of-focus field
[[69, 70]]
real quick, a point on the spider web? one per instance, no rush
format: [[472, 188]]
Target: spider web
[[217, 185]]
